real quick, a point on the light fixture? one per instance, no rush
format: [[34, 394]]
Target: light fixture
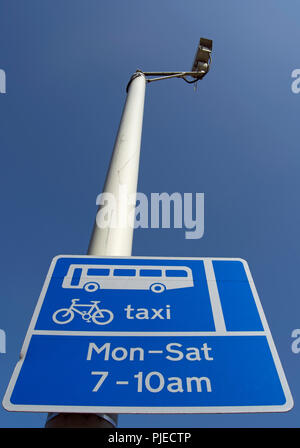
[[202, 58], [200, 66]]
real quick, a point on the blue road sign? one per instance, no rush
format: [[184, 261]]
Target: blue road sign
[[148, 335]]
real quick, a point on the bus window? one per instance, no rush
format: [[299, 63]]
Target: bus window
[[176, 273], [97, 272], [125, 272], [150, 273], [76, 277]]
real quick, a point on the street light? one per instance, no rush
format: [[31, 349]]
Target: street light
[[200, 68], [123, 175], [203, 57]]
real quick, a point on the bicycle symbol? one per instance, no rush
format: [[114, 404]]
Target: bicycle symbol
[[94, 313]]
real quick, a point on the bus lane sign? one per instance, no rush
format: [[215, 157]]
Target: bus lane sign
[[148, 335]]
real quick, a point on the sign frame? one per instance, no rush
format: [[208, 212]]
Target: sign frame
[[8, 405]]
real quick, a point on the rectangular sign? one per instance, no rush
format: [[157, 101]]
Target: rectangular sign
[[148, 335]]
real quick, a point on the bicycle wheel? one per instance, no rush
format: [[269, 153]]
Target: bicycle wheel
[[63, 316], [102, 317]]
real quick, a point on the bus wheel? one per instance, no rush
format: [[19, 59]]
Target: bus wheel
[[91, 287], [157, 287]]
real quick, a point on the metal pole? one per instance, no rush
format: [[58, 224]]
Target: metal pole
[[122, 177], [116, 237]]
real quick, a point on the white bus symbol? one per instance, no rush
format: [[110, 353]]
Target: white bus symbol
[[155, 278]]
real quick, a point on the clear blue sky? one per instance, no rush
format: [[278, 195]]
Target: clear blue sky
[[236, 139]]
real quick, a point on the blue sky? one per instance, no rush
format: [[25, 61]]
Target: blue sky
[[236, 139]]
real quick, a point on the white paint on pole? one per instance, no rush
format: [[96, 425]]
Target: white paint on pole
[[122, 176], [110, 240]]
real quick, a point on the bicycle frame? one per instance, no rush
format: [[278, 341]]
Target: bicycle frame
[[84, 314]]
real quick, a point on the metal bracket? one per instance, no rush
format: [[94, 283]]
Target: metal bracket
[[201, 66], [158, 76]]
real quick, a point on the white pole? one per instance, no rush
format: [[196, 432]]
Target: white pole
[[115, 238], [113, 229]]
